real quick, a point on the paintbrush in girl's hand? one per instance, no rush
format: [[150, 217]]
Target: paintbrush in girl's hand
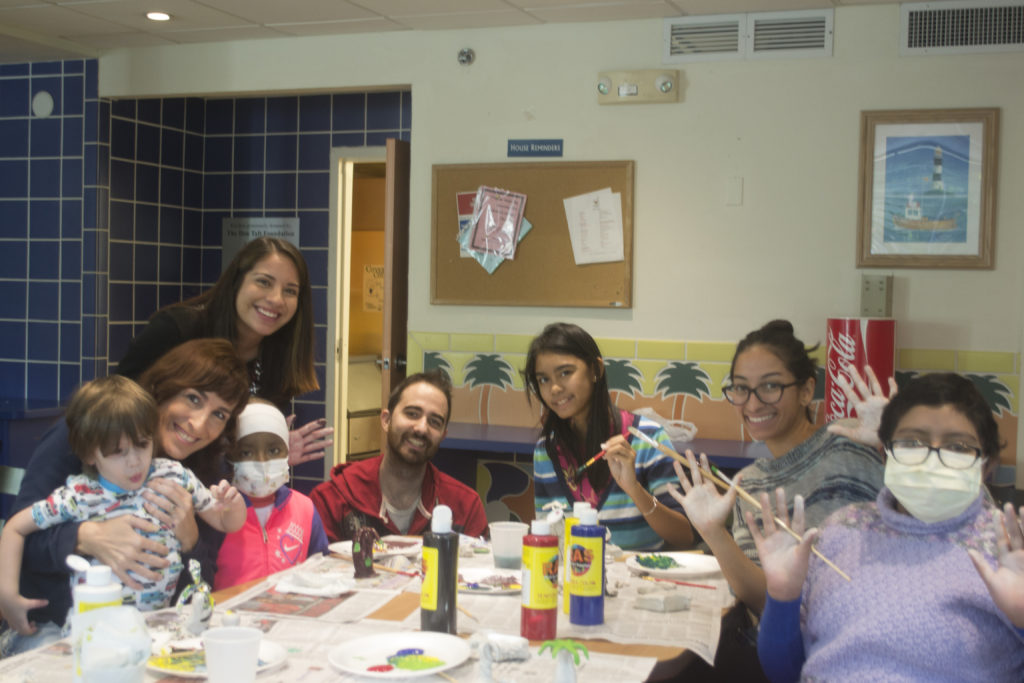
[[579, 473]]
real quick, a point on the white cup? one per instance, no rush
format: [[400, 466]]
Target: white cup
[[232, 653], [507, 543]]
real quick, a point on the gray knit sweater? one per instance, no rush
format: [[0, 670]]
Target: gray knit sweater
[[829, 471]]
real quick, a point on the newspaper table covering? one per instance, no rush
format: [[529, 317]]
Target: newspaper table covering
[[309, 643]]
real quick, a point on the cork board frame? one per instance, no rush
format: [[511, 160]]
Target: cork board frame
[[544, 272]]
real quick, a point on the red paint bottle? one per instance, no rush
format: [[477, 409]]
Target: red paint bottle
[[539, 614]]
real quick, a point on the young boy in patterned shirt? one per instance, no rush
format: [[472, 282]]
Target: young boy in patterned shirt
[[111, 422]]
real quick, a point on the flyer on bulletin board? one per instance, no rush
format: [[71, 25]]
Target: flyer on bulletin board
[[497, 221]]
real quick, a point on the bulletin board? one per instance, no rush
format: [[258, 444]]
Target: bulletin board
[[544, 271]]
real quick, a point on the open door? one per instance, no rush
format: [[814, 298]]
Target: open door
[[396, 267]]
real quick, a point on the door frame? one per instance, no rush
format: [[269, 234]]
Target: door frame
[[339, 246]]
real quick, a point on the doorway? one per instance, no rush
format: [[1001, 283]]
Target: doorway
[[367, 290]]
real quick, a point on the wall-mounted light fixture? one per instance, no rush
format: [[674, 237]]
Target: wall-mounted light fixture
[[632, 87]]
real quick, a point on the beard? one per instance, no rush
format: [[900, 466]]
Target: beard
[[397, 441]]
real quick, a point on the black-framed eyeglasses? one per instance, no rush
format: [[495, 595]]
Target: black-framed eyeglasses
[[767, 393], [955, 456]]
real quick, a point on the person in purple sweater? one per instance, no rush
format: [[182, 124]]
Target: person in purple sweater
[[937, 572]]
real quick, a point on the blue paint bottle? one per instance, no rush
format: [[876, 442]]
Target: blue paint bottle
[[585, 557]]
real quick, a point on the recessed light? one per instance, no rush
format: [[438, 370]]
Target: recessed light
[[158, 16]]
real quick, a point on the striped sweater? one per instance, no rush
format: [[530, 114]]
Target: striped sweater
[[616, 509], [829, 471]]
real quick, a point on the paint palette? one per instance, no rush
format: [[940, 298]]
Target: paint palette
[[673, 565], [389, 546], [489, 581], [192, 663], [404, 654]]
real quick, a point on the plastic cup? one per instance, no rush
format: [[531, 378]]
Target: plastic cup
[[507, 543], [232, 653]]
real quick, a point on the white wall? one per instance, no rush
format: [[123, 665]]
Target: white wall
[[788, 127], [703, 270]]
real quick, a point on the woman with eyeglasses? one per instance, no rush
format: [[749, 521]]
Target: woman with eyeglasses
[[937, 571], [771, 385]]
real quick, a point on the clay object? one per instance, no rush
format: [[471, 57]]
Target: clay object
[[362, 552], [663, 602], [196, 601]]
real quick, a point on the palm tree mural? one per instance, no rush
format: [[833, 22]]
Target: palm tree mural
[[995, 392], [433, 360], [489, 370], [623, 376], [682, 379]]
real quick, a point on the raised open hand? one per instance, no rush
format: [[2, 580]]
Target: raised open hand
[[1006, 582], [705, 507], [869, 402], [783, 560]]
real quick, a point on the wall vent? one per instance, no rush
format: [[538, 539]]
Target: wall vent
[[748, 36], [961, 27]]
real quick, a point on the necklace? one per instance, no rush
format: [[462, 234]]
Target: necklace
[[255, 376]]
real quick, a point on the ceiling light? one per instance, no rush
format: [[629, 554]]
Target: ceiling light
[[158, 16]]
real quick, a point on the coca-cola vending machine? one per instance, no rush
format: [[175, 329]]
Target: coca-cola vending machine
[[856, 342]]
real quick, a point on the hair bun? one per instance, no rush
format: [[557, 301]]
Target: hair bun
[[778, 326]]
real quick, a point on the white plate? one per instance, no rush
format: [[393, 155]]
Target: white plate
[[474, 580], [192, 664], [690, 565], [395, 545], [357, 656]]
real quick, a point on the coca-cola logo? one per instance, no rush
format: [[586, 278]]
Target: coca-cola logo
[[842, 353]]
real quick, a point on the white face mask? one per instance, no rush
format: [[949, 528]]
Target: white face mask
[[261, 479], [932, 492]]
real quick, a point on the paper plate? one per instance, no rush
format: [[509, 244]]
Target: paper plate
[[192, 663], [490, 581], [411, 654], [393, 546], [688, 566]]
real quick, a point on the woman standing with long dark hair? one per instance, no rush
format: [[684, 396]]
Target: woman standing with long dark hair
[[263, 304]]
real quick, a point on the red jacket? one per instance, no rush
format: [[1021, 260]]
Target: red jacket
[[355, 487]]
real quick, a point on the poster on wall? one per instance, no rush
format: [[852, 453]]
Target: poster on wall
[[237, 232], [373, 289]]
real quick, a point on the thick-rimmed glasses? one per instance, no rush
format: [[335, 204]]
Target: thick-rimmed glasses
[[955, 456], [767, 393]]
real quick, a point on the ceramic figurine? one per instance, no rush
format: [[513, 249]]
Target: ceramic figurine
[[362, 552], [200, 609], [567, 657]]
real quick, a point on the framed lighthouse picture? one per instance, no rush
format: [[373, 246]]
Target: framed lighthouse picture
[[927, 196]]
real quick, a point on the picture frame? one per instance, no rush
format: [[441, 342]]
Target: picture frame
[[927, 191]]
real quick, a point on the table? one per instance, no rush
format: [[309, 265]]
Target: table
[[309, 627]]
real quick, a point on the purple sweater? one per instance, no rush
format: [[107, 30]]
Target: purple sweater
[[916, 609]]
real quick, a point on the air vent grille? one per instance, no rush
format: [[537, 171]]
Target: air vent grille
[[962, 27], [781, 34], [698, 39], [749, 36]]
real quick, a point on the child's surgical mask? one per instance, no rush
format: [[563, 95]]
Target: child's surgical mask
[[261, 452], [260, 479]]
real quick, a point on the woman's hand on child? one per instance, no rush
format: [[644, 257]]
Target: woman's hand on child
[[1006, 583], [171, 503], [14, 609], [705, 507], [119, 544], [783, 560], [869, 402], [308, 442]]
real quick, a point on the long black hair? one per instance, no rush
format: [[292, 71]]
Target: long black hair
[[603, 420]]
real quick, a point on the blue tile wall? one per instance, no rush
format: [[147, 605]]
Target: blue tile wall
[[48, 223], [112, 209]]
